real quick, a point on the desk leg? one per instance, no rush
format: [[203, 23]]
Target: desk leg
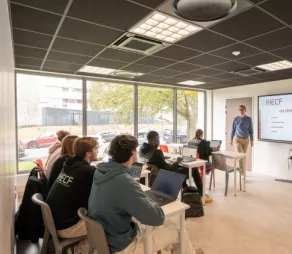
[[147, 180], [191, 180], [204, 185], [244, 174], [182, 233], [148, 240], [235, 172]]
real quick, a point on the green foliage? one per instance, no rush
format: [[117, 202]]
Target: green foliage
[[119, 98]]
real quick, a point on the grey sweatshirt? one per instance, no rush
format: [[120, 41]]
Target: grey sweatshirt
[[114, 199]]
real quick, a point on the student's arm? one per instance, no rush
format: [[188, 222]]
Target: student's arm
[[136, 203], [158, 160], [233, 130], [251, 130]]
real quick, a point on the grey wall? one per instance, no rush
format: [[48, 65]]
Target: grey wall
[[7, 133]]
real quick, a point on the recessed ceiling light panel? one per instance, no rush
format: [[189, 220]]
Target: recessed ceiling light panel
[[97, 70], [191, 83], [157, 25], [276, 66], [127, 74]]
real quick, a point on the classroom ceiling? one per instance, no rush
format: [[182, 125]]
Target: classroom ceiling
[[62, 36]]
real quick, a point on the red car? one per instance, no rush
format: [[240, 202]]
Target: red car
[[44, 140]]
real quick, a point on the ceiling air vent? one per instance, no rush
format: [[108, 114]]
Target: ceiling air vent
[[135, 43], [248, 72]]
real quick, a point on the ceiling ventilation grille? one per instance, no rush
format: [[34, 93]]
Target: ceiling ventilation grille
[[249, 72], [138, 44]]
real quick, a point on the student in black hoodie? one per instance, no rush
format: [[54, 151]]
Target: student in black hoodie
[[150, 153], [203, 147], [66, 152], [72, 188]]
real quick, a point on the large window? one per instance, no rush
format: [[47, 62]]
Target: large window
[[44, 106], [155, 112], [48, 104], [190, 114], [110, 111]]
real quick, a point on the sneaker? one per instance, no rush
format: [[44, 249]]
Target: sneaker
[[208, 199]]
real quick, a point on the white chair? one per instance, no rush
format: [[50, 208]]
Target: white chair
[[219, 162]]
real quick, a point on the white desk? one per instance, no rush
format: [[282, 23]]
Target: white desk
[[171, 209], [235, 156], [190, 165]]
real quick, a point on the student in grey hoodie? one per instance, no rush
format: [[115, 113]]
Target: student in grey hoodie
[[116, 198]]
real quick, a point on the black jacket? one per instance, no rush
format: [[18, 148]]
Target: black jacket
[[151, 155], [203, 146], [56, 169], [70, 191]]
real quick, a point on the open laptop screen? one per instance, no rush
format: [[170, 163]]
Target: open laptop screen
[[168, 182]]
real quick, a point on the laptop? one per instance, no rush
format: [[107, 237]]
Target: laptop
[[215, 145], [188, 159], [136, 169], [165, 187]]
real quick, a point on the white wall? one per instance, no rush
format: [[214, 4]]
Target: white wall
[[7, 133], [268, 158]]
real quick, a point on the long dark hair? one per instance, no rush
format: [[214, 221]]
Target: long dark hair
[[122, 147]]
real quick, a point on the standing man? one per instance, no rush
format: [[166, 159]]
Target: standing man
[[242, 130]]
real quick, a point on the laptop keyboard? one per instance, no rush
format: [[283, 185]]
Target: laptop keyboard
[[158, 198]]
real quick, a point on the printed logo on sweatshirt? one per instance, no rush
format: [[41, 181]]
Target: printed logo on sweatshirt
[[65, 179]]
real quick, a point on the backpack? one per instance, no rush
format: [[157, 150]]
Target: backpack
[[29, 223], [192, 197]]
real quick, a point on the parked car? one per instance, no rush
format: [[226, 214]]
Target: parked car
[[108, 136], [21, 151], [181, 136], [43, 140]]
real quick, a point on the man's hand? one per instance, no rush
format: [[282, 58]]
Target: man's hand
[[231, 142], [251, 143], [179, 160]]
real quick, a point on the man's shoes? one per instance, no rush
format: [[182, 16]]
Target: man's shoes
[[208, 199], [199, 251]]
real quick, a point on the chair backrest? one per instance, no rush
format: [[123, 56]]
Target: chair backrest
[[189, 151], [95, 233], [47, 216], [219, 162], [164, 148]]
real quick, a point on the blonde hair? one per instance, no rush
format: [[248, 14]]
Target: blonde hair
[[67, 145]]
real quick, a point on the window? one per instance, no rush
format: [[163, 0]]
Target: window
[[114, 105], [41, 113], [190, 114], [155, 112]]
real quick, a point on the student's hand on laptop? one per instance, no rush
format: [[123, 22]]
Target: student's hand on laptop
[[179, 160]]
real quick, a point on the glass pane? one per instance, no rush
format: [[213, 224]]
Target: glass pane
[[190, 114], [155, 112], [110, 111], [44, 106]]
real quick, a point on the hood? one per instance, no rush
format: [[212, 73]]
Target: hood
[[75, 162], [109, 170], [146, 148]]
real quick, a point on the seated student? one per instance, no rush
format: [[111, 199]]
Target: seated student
[[116, 198], [152, 155], [203, 146], [55, 150], [72, 188], [66, 152]]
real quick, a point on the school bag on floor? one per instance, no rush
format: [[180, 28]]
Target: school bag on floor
[[192, 197]]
